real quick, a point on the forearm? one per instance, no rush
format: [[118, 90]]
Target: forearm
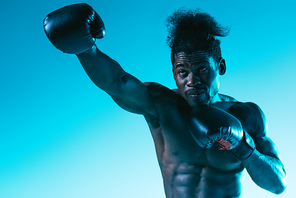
[[267, 172], [105, 72]]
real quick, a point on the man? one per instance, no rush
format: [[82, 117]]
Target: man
[[204, 140]]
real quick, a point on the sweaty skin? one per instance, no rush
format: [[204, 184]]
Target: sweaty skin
[[188, 170]]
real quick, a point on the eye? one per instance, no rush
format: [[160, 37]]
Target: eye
[[182, 73], [203, 69]]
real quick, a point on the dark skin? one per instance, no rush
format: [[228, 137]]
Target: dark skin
[[188, 170]]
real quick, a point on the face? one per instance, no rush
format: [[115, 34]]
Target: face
[[197, 77]]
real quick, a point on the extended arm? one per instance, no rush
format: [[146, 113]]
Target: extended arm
[[73, 29], [126, 90]]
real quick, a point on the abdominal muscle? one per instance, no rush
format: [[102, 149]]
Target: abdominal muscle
[[195, 181]]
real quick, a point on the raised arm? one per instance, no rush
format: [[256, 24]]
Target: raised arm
[[73, 29]]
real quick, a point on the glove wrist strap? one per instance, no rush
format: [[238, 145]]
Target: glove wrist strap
[[88, 51], [244, 150]]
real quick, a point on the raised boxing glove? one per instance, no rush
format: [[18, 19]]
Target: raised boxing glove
[[209, 124], [73, 29]]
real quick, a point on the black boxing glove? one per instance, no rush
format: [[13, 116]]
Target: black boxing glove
[[245, 149], [209, 124], [73, 29]]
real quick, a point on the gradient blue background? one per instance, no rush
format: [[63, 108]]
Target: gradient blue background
[[61, 136]]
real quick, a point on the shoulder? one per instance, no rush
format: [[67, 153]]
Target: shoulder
[[248, 109], [155, 86], [162, 96], [164, 99], [226, 98], [253, 121], [158, 91], [256, 126], [251, 117]]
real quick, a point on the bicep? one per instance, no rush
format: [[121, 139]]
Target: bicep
[[266, 146], [262, 141]]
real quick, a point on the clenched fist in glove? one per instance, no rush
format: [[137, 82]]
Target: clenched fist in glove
[[73, 29], [209, 124]]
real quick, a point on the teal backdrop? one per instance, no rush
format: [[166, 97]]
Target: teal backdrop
[[61, 136]]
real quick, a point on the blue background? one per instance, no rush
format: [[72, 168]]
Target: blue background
[[61, 136]]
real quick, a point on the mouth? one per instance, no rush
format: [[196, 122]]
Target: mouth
[[195, 93]]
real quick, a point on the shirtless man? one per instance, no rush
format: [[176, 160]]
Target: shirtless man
[[204, 140]]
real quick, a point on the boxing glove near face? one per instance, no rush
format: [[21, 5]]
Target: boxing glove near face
[[73, 29], [209, 124]]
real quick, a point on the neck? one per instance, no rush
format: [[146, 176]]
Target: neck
[[216, 98]]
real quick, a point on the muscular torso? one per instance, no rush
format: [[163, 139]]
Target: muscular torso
[[188, 170]]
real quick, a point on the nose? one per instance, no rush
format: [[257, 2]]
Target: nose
[[193, 80]]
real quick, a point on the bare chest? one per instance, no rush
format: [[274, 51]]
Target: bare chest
[[175, 145]]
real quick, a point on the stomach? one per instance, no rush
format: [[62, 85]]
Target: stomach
[[195, 181]]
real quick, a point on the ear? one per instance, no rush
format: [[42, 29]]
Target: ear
[[222, 66]]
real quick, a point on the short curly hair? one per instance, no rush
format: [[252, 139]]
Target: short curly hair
[[193, 30]]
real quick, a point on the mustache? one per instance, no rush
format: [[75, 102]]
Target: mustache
[[194, 91]]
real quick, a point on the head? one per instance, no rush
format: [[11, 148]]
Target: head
[[196, 54]]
